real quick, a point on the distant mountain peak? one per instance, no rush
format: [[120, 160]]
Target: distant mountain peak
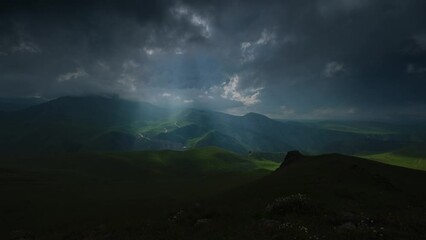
[[255, 115], [89, 98]]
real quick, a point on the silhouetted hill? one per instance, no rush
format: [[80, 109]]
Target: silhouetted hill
[[333, 196], [339, 181], [93, 110], [15, 104]]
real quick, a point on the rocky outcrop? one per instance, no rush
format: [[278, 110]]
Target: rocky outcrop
[[291, 157]]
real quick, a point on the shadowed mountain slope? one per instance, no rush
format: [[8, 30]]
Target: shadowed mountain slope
[[329, 196], [92, 123]]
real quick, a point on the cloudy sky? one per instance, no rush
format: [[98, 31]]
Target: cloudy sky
[[354, 59]]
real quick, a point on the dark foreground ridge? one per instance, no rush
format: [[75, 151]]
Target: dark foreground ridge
[[332, 196], [151, 195], [291, 157]]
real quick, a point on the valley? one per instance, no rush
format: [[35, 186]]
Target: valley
[[107, 168]]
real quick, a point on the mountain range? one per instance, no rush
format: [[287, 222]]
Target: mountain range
[[94, 123]]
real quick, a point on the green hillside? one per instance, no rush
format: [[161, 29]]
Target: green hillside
[[399, 159], [215, 138], [70, 191], [208, 193], [201, 160], [140, 165]]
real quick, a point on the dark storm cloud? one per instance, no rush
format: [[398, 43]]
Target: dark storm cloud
[[309, 59]]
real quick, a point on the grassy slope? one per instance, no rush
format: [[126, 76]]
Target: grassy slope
[[399, 159], [201, 160], [412, 156], [272, 156], [59, 195], [77, 200], [215, 138]]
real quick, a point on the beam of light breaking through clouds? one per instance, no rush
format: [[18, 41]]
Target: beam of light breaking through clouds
[[286, 59]]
